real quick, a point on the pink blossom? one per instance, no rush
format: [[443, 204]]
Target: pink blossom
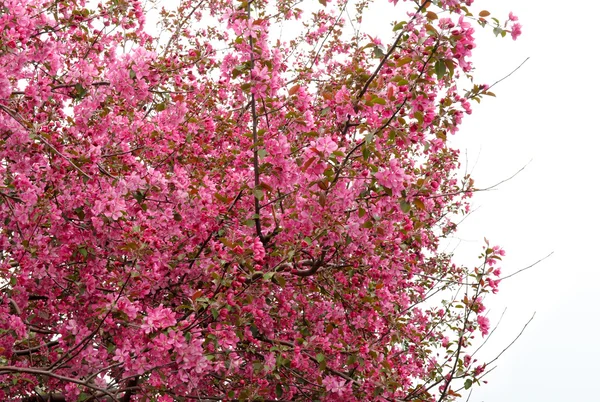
[[335, 385], [258, 249], [127, 307], [325, 145], [515, 31], [467, 360], [512, 17], [484, 324], [158, 318], [128, 219], [16, 324], [120, 355]]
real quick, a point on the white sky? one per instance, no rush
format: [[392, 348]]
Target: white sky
[[541, 118], [542, 113]]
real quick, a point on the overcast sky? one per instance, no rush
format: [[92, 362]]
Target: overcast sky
[[543, 119], [544, 113]]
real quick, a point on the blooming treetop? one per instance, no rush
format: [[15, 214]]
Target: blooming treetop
[[221, 213]]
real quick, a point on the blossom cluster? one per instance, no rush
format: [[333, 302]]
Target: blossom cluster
[[226, 213]]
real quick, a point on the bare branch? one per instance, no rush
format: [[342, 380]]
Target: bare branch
[[527, 267]]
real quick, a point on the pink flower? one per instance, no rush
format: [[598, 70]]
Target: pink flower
[[467, 360], [515, 31], [446, 23], [512, 17], [335, 385], [120, 355], [258, 250], [325, 145], [16, 324], [158, 318], [484, 324], [127, 307]]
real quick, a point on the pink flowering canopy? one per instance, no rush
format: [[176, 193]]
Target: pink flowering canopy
[[240, 200]]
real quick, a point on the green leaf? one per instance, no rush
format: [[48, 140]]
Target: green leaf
[[399, 80], [403, 61], [221, 198], [257, 366], [280, 280], [404, 206], [238, 70], [79, 92], [468, 383], [440, 69], [320, 357], [79, 212], [83, 397], [259, 194], [399, 26], [419, 117], [279, 390], [450, 65], [430, 29], [262, 153]]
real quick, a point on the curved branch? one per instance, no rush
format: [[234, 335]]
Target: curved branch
[[48, 373], [24, 352]]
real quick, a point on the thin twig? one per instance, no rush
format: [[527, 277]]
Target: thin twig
[[505, 180], [513, 341], [511, 73], [527, 267]]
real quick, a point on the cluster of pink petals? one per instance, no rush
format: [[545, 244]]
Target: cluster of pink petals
[[225, 213]]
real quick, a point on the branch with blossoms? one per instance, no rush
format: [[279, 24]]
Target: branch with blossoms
[[233, 214], [4, 370]]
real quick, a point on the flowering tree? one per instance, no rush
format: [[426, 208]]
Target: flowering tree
[[216, 209]]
